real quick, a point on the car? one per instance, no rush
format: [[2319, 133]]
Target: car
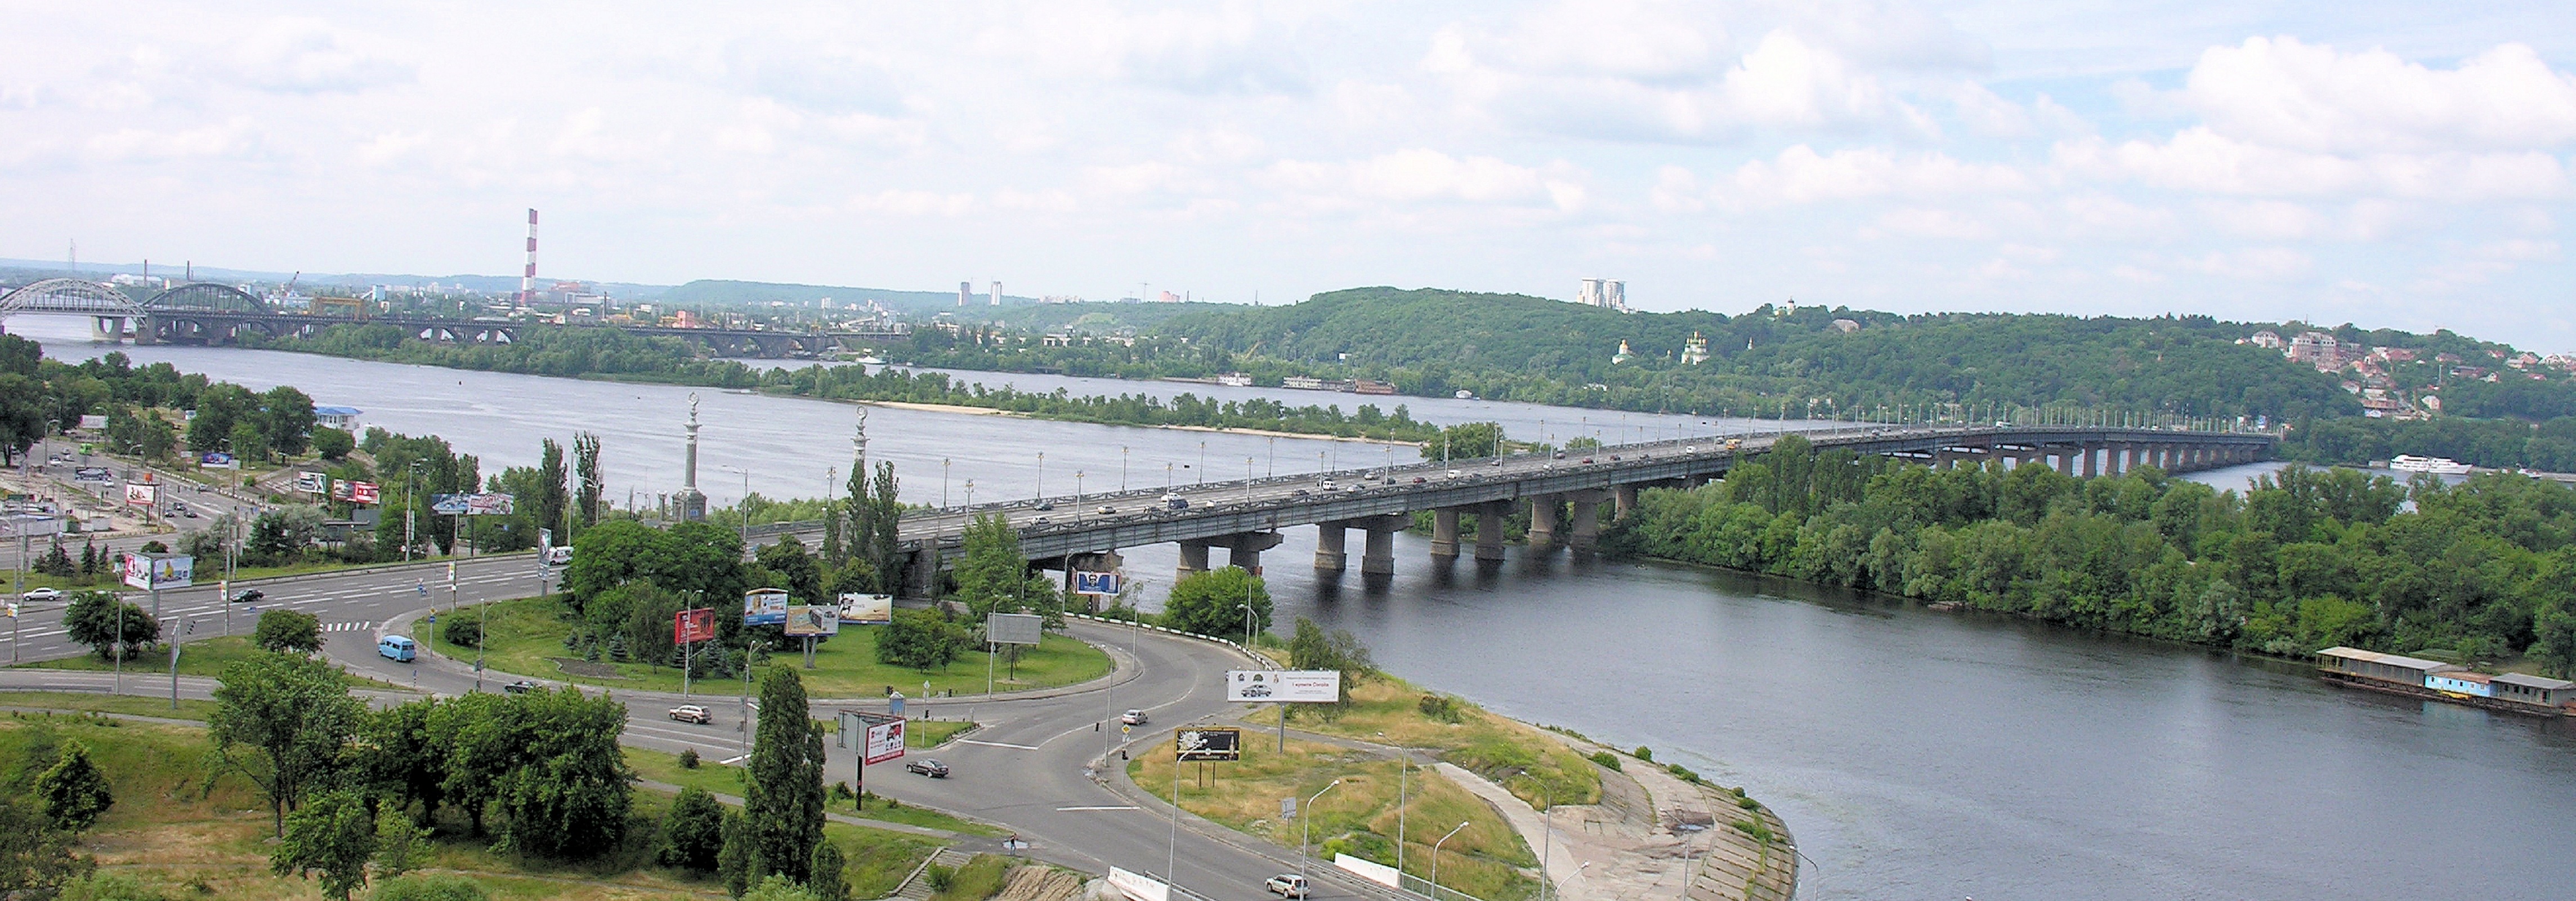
[[191, 514], [1041, 521], [249, 595], [1046, 505], [1132, 718], [1497, 461], [1329, 486], [397, 648], [1106, 510], [1560, 455], [927, 767], [1454, 473], [1286, 885], [42, 594], [692, 713], [520, 687], [1587, 459], [1299, 493], [1419, 480]]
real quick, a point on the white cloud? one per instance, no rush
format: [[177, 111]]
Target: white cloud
[[2285, 93], [1420, 175], [2201, 160], [1800, 175], [304, 55]]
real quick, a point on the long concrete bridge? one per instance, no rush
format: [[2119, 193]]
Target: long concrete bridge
[[217, 315], [1566, 495]]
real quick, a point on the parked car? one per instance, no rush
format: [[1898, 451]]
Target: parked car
[[692, 713], [1132, 718], [42, 594], [520, 687], [1286, 885], [249, 596], [927, 767]]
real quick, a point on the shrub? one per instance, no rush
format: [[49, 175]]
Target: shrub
[[108, 887], [688, 758], [462, 628], [1645, 753], [1748, 803], [940, 877], [1441, 708], [1684, 774], [1606, 759], [430, 887]]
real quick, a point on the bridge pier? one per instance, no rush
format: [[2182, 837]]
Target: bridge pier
[[1543, 510], [1444, 533], [1377, 558], [1194, 557], [2089, 471], [1587, 519], [1622, 499], [1328, 545], [1245, 551], [1489, 531]]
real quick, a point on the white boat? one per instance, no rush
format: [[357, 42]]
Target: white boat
[[1234, 380], [2436, 465]]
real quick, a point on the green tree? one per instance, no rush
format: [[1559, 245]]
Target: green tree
[[693, 832], [782, 798], [401, 846], [1465, 440], [22, 416], [404, 758], [247, 442], [1311, 648], [114, 629], [283, 722], [920, 639], [283, 630], [332, 835], [553, 502], [36, 857], [734, 860], [787, 559], [429, 887], [568, 792], [333, 444], [1205, 602], [828, 882], [73, 791], [286, 420], [991, 574], [586, 481], [462, 627], [778, 887], [479, 733]]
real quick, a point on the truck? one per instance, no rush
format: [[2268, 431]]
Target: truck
[[1175, 501]]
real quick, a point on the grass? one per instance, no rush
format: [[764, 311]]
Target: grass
[[919, 734], [1533, 766], [200, 657], [1358, 817], [180, 834], [104, 703], [979, 879], [526, 634], [718, 778], [209, 575]]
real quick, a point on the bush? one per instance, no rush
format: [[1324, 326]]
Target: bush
[[1606, 759], [1645, 753], [463, 628], [430, 887], [1684, 774], [1748, 803], [940, 877], [688, 758], [108, 887], [1441, 708], [693, 832]]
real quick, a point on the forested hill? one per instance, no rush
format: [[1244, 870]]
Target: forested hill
[[1516, 347]]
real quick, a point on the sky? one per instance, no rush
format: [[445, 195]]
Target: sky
[[2396, 164]]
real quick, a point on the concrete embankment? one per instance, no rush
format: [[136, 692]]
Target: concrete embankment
[[1651, 832]]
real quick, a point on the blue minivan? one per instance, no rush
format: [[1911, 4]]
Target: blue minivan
[[397, 648]]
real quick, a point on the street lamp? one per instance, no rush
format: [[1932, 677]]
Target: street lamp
[[1247, 619], [1306, 827], [1202, 462], [1041, 474], [943, 483], [970, 494], [1435, 858]]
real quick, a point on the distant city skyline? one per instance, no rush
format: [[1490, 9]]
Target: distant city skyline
[[2390, 164]]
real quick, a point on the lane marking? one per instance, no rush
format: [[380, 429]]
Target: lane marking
[[1102, 807], [996, 744]]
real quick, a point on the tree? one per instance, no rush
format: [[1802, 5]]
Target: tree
[[332, 835], [788, 560], [404, 758], [283, 722], [827, 882], [400, 846], [333, 444], [282, 630], [35, 857], [1205, 602], [569, 791], [778, 887], [990, 571], [478, 737], [141, 433], [22, 416], [920, 639], [693, 832], [463, 627], [286, 420], [553, 501], [733, 862], [114, 629], [73, 791], [1465, 440], [585, 470], [782, 798], [1311, 648]]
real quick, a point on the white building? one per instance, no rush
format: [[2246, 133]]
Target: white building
[[1609, 293]]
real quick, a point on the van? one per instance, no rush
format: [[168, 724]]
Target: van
[[397, 648], [1175, 501]]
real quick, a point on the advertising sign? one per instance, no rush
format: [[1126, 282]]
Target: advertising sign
[[1293, 686], [1209, 744], [142, 494], [340, 490], [364, 492], [881, 733], [804, 620], [1014, 628], [1106, 584], [473, 504], [867, 609], [153, 571], [764, 607], [218, 460], [312, 483], [92, 421], [688, 626]]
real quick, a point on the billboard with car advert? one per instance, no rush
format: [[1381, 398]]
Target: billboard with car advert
[[218, 460], [355, 492], [690, 626], [1208, 744], [867, 609], [1291, 686], [764, 607], [805, 620], [313, 483], [157, 571]]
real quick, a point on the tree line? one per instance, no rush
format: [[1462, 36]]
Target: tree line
[[143, 405], [2306, 559]]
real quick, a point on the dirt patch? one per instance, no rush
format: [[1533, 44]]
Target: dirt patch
[[586, 669]]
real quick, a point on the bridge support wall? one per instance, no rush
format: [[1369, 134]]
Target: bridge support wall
[[1444, 533], [1587, 518], [1543, 511], [1489, 531], [1328, 545]]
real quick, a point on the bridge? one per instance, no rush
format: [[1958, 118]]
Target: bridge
[[1565, 495], [219, 315]]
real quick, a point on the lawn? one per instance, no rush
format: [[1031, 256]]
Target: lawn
[[1535, 767], [1358, 817], [710, 776], [105, 703], [180, 836], [527, 637], [208, 574], [197, 657]]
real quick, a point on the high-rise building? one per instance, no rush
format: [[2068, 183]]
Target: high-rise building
[[1607, 293], [964, 290], [997, 294]]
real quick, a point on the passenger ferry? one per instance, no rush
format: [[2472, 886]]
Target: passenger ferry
[[2436, 465]]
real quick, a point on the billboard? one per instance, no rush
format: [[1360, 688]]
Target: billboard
[[867, 609], [1106, 584], [805, 620], [312, 483], [1291, 686], [156, 571], [1014, 628], [1208, 744], [882, 735], [142, 494], [363, 492], [92, 421], [764, 607], [218, 460], [688, 626], [473, 504]]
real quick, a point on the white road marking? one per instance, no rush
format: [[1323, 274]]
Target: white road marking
[[996, 744], [1103, 807]]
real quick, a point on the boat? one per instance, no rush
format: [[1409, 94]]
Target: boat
[[1234, 380], [2436, 465]]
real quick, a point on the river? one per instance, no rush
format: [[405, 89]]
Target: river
[[1916, 755]]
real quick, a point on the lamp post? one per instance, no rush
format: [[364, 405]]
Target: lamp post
[[970, 494], [1247, 619], [1077, 505], [1041, 474], [943, 483], [1306, 827], [1435, 859], [1122, 469], [748, 650], [1202, 462]]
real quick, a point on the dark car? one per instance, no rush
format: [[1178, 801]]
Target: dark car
[[927, 767], [1046, 505], [520, 687], [249, 595]]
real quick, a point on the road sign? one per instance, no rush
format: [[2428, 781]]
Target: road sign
[[1287, 808], [1208, 744], [1014, 628], [1322, 686]]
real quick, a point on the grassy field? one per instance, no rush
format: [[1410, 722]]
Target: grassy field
[[197, 657], [1535, 767], [715, 777], [104, 703], [527, 635], [180, 836], [1358, 817], [208, 574]]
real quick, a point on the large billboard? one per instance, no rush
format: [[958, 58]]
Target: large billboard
[[697, 625], [1208, 744], [878, 736], [473, 504], [1014, 628], [764, 607], [804, 620], [355, 492], [157, 571], [1105, 584], [867, 609], [1291, 686], [142, 494], [313, 482]]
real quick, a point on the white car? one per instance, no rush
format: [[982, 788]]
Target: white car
[[42, 594], [691, 713], [1286, 885], [1132, 718]]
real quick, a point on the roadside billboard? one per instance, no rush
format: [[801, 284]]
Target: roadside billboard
[[764, 607], [809, 620], [218, 460], [156, 571], [473, 504], [878, 736], [867, 609], [1292, 686], [1099, 583], [92, 422], [312, 483], [364, 492], [1014, 628], [689, 626], [1208, 744], [142, 494]]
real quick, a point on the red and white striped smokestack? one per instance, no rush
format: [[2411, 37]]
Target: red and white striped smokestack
[[528, 279]]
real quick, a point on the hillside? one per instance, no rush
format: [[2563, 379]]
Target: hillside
[[727, 292]]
